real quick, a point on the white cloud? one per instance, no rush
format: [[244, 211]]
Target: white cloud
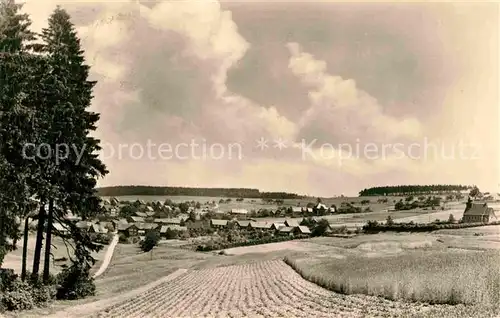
[[339, 101]]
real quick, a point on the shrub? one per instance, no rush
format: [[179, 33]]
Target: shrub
[[75, 282], [19, 297], [123, 239]]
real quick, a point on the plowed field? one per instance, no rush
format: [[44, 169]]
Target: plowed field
[[263, 289]]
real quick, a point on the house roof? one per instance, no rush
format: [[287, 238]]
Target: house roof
[[296, 209], [141, 214], [168, 221], [164, 228], [291, 223], [219, 222], [99, 228], [321, 206], [146, 226], [261, 225], [150, 209], [239, 211], [137, 219], [304, 229], [478, 209], [243, 223], [123, 226], [278, 225], [83, 224]]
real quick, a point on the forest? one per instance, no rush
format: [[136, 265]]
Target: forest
[[402, 190], [136, 190]]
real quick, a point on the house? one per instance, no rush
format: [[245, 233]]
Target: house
[[98, 229], [321, 207], [296, 209], [478, 212], [116, 222], [277, 226], [144, 227], [167, 221], [84, 225], [239, 211], [291, 223], [301, 230], [260, 225], [242, 224], [128, 229], [141, 214], [218, 223], [285, 231], [136, 219]]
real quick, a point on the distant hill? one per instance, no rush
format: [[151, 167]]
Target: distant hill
[[137, 190], [413, 189]]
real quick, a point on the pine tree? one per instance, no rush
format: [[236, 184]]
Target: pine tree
[[16, 121], [77, 173]]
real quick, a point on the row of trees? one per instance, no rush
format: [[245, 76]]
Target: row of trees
[[186, 191], [44, 98], [413, 189]]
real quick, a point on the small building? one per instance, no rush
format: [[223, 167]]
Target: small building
[[260, 225], [84, 225], [277, 226], [239, 211], [167, 221], [129, 230], [285, 231], [98, 229], [218, 223], [301, 230], [478, 212], [177, 228], [297, 209], [136, 219], [321, 207], [242, 224], [144, 227], [291, 223]]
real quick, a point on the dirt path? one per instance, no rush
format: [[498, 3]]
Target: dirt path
[[107, 257], [91, 308]]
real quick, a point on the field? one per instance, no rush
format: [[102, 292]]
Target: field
[[14, 259], [262, 289]]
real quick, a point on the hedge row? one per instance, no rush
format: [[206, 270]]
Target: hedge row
[[372, 227], [225, 245]]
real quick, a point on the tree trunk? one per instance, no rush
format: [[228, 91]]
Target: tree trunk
[[39, 241], [25, 248], [48, 242]]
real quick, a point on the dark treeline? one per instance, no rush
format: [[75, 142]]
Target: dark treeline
[[413, 189], [117, 191]]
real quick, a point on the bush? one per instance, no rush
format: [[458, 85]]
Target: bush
[[19, 295], [75, 282]]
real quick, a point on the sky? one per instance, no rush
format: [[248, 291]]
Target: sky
[[316, 98]]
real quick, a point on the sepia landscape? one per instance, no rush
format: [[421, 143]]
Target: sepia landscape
[[249, 159]]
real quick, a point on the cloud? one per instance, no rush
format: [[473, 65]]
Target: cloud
[[166, 73], [340, 110]]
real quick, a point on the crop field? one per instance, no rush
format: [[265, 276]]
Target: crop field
[[444, 277], [263, 289]]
